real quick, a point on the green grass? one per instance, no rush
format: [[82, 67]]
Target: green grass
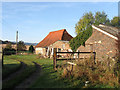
[[10, 66], [49, 78], [22, 76], [19, 78]]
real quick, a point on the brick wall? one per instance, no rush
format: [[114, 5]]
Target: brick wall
[[66, 36], [61, 44], [102, 44]]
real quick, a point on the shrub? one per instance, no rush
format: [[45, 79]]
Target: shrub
[[7, 51], [99, 73], [117, 66], [31, 49]]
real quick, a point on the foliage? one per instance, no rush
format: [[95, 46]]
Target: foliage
[[21, 46], [31, 49], [7, 51], [80, 39], [84, 28], [118, 45], [117, 66], [115, 22], [85, 22], [101, 18], [9, 46], [100, 73]]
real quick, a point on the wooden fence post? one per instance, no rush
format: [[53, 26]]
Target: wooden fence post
[[54, 58], [94, 57]]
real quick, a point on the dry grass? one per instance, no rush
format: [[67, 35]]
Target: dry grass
[[100, 73]]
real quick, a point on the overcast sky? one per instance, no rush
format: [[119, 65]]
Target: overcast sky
[[34, 20]]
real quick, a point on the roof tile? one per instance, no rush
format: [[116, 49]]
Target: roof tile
[[52, 37]]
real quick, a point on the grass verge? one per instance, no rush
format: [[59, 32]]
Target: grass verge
[[10, 66], [22, 76]]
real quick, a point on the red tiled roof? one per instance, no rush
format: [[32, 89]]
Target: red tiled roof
[[52, 37]]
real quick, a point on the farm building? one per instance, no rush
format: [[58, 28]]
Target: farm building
[[102, 41], [56, 39]]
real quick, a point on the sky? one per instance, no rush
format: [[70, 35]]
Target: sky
[[34, 20]]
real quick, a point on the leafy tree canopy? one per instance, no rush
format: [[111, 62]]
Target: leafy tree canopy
[[31, 49], [80, 39], [115, 21], [21, 46], [101, 18], [83, 28], [9, 46], [85, 22]]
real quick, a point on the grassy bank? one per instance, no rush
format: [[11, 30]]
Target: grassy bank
[[50, 78], [30, 68], [10, 66]]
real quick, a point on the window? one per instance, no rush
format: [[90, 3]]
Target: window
[[63, 46], [59, 49]]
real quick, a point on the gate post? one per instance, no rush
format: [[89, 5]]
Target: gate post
[[54, 58], [94, 57]]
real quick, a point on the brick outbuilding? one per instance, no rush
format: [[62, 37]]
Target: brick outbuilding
[[102, 41], [55, 39]]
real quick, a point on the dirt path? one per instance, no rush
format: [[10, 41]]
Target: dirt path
[[31, 79], [15, 73]]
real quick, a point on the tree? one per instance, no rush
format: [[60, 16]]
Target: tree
[[101, 18], [9, 45], [115, 21], [8, 50], [85, 22], [83, 28], [21, 46], [31, 49]]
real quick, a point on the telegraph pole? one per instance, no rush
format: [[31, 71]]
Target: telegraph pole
[[16, 41]]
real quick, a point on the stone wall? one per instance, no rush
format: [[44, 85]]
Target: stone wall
[[63, 45]]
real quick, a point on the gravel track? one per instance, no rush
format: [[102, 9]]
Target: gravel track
[[15, 73], [31, 79]]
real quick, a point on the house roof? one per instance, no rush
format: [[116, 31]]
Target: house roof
[[53, 37], [108, 30]]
